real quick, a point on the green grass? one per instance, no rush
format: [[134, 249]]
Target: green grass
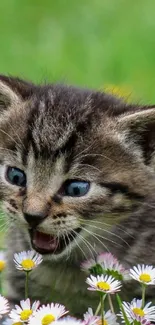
[[86, 42]]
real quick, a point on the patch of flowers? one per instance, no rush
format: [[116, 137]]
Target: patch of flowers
[[105, 276]]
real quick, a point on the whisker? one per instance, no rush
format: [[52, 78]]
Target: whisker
[[94, 235], [4, 226], [69, 246], [146, 204], [109, 225], [57, 237], [3, 218], [86, 242], [79, 246], [52, 240], [64, 239], [109, 232], [105, 238]]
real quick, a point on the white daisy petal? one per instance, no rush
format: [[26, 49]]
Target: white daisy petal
[[27, 260], [109, 318], [48, 314], [35, 305], [69, 321], [90, 318], [134, 311], [143, 273], [88, 264], [10, 321], [108, 264], [24, 311], [4, 306], [103, 283]]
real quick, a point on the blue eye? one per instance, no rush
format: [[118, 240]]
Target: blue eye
[[16, 176], [76, 188]]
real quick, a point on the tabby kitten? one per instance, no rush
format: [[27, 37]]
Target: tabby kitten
[[76, 178]]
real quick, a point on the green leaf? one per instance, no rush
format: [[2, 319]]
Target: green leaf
[[122, 309], [115, 274], [96, 270]]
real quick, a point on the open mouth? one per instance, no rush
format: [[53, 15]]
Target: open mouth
[[49, 244]]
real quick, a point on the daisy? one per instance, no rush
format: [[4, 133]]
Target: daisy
[[69, 321], [108, 260], [88, 264], [134, 311], [90, 319], [4, 306], [10, 321], [23, 312], [2, 261], [143, 273], [110, 263], [27, 261], [110, 318], [46, 315], [103, 283]]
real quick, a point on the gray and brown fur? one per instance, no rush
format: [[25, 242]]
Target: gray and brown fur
[[55, 133]]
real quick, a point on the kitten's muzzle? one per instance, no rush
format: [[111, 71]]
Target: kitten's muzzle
[[51, 244], [34, 219]]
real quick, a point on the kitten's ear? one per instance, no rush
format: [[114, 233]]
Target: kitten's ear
[[138, 125], [13, 91]]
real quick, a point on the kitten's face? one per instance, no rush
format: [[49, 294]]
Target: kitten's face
[[69, 170]]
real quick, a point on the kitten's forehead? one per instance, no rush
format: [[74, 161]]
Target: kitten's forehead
[[51, 118], [58, 121], [55, 116]]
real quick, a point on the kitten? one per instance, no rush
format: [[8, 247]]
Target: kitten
[[76, 178]]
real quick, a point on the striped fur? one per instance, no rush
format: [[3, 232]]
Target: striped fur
[[55, 133]]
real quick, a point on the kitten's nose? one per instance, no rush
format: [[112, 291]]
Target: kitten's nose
[[34, 219]]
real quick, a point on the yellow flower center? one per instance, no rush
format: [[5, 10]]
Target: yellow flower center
[[138, 311], [2, 265], [99, 322], [25, 314], [145, 277], [103, 285], [48, 319], [27, 264], [18, 323]]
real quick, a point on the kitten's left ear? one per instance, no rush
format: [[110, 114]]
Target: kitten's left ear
[[13, 91], [138, 126]]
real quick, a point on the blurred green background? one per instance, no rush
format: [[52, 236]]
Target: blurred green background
[[93, 43]]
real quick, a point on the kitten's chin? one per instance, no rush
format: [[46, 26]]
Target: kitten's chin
[[52, 245]]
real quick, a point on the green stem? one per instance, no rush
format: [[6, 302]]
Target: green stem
[[98, 309], [122, 309], [110, 304], [26, 284], [102, 297], [143, 295]]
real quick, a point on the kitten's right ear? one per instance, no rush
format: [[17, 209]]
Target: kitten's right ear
[[7, 97], [13, 91]]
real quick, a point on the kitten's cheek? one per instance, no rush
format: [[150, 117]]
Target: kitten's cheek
[[8, 209]]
